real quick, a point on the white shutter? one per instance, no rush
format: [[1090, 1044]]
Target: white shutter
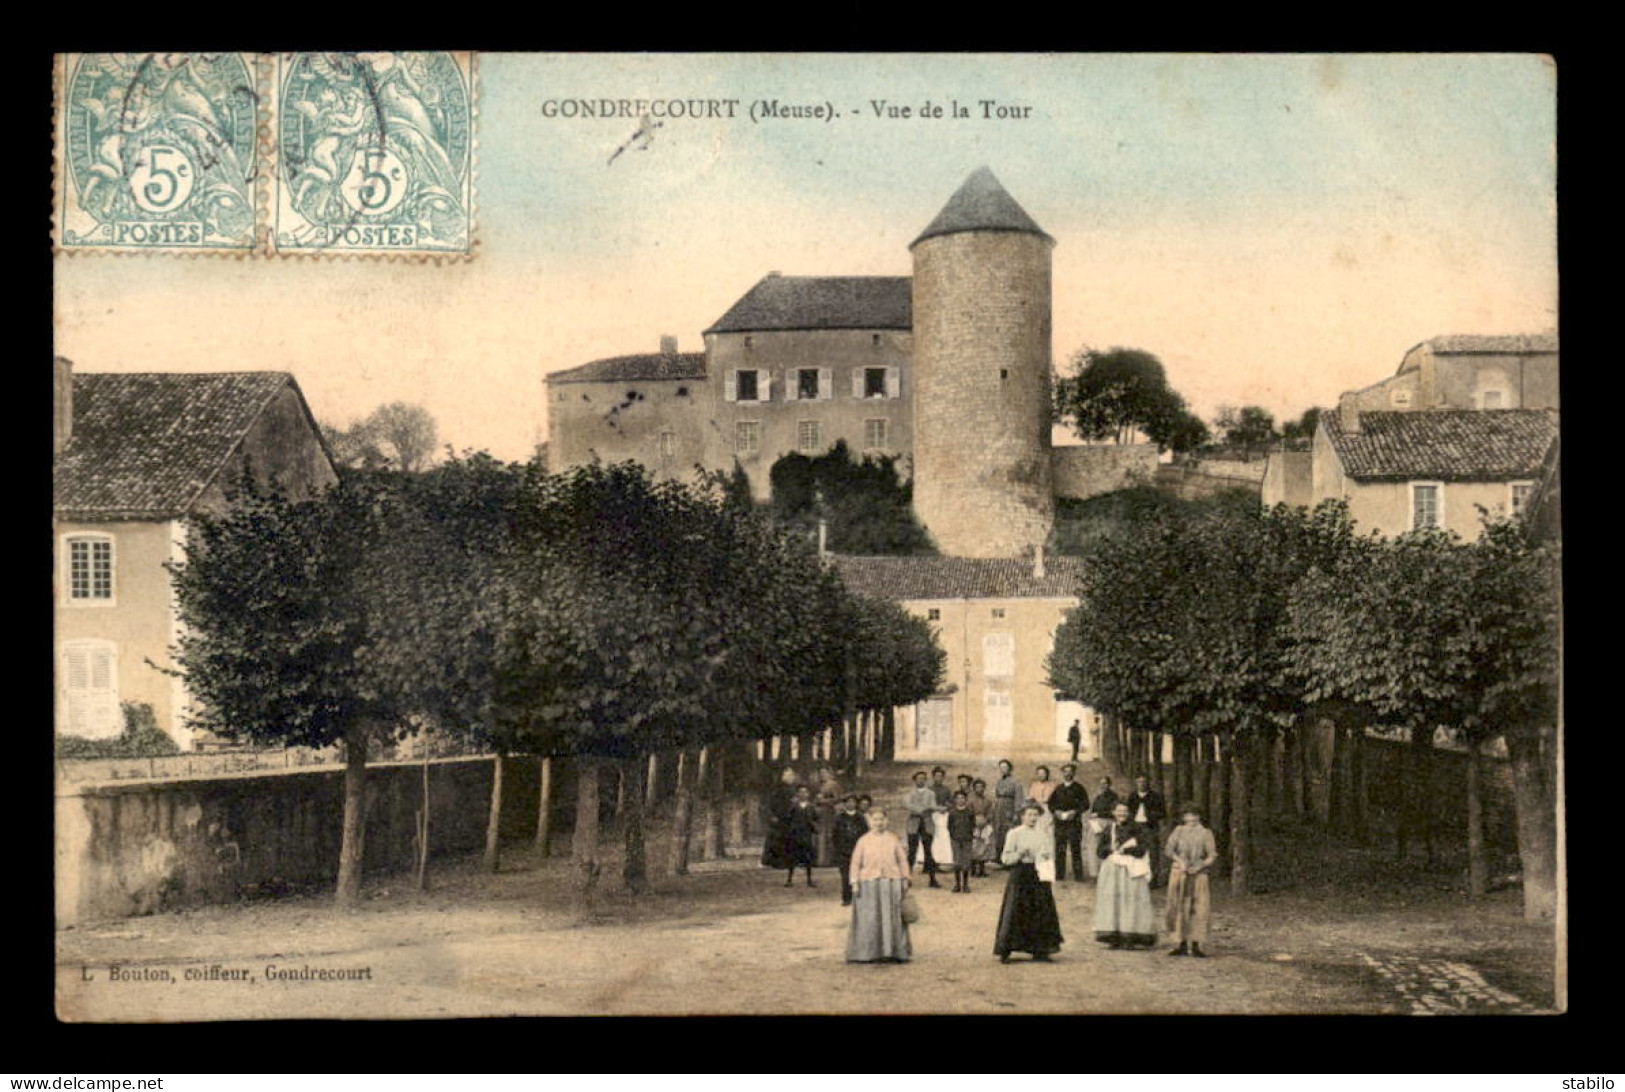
[[894, 383], [730, 389], [91, 676], [792, 390], [857, 383], [764, 386], [826, 384]]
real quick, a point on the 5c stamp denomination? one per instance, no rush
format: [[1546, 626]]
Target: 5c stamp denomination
[[375, 153], [158, 152]]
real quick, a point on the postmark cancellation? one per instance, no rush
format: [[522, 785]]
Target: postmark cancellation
[[315, 154], [375, 153], [158, 152]]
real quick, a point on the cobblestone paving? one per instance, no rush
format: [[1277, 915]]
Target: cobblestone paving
[[1437, 987]]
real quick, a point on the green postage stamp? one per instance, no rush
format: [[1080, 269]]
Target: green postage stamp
[[369, 153]]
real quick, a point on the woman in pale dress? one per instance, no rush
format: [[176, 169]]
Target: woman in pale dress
[[1038, 792], [1007, 803], [1123, 915], [879, 872]]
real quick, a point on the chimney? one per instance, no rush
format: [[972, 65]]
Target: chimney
[[62, 403], [1348, 414], [1038, 562], [668, 344], [774, 273]]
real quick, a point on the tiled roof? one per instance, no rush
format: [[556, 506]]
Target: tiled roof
[[821, 303], [980, 204], [1494, 343], [619, 369], [146, 445], [1447, 445], [913, 578]]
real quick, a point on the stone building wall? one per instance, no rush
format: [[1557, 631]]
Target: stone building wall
[[982, 331], [1087, 470]]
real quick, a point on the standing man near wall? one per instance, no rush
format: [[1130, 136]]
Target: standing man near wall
[[1069, 803], [921, 803], [1074, 736]]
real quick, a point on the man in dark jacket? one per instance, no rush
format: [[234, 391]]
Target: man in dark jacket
[[1068, 804], [850, 825], [1146, 807]]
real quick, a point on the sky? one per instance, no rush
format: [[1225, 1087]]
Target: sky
[[1277, 229]]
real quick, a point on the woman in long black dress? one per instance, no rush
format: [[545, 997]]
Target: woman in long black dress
[[801, 836], [1027, 919], [779, 802]]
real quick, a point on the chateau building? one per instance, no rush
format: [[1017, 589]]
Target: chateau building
[[949, 367]]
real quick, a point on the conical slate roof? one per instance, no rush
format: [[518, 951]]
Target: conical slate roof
[[981, 204]]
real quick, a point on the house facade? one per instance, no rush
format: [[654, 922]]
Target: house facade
[[136, 454], [1467, 426], [996, 619]]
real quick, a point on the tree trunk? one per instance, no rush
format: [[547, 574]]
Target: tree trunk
[[1182, 773], [1337, 790], [682, 818], [1537, 825], [635, 867], [1275, 773], [712, 761], [651, 789], [1240, 814], [1292, 759], [888, 735], [861, 733], [584, 842], [1360, 810], [544, 807], [422, 862], [1224, 774], [620, 792], [1419, 797], [1203, 773], [1477, 867], [353, 842], [1159, 780], [493, 822]]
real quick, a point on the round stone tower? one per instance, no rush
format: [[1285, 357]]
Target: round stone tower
[[982, 483]]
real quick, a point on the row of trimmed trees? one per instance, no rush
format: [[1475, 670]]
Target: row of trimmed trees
[[597, 613], [1236, 632]]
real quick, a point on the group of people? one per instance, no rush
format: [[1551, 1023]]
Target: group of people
[[1032, 831]]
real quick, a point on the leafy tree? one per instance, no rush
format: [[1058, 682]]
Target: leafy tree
[[1180, 628], [1248, 428], [867, 507], [285, 641], [397, 435], [1115, 392], [1301, 433]]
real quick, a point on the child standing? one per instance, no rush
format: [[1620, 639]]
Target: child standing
[[961, 832], [1191, 851]]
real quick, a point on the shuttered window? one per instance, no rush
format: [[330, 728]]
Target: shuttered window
[[90, 689], [999, 655]]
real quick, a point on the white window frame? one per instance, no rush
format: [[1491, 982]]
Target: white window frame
[[1484, 397], [884, 441], [1512, 494], [1438, 488], [933, 614], [114, 711], [668, 443], [998, 698], [755, 448], [817, 429], [68, 598]]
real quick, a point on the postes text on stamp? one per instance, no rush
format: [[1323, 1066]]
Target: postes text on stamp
[[375, 153], [158, 152]]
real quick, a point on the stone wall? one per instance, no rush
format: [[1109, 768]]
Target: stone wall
[[131, 848], [1087, 470], [1192, 482]]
